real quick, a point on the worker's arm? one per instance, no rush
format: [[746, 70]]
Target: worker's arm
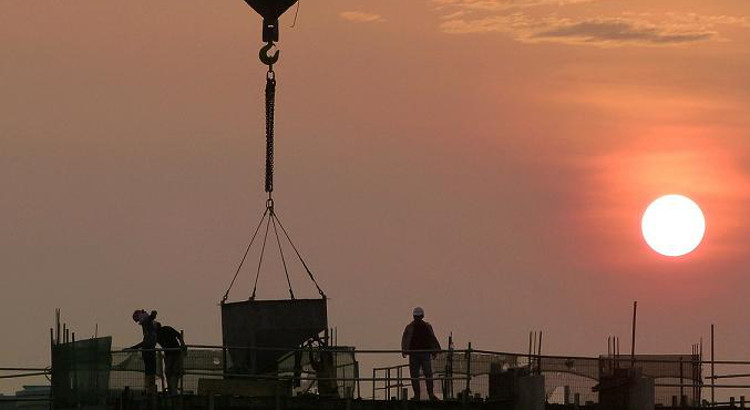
[[183, 346], [434, 341], [138, 346], [406, 339], [315, 364]]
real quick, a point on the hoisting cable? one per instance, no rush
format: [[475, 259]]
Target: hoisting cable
[[309, 273], [296, 14], [260, 260], [281, 252], [244, 257]]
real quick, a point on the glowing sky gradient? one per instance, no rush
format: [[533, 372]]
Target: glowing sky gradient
[[488, 160]]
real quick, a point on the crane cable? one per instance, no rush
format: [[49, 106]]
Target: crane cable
[[270, 213]]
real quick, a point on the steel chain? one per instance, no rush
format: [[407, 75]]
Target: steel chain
[[270, 108]]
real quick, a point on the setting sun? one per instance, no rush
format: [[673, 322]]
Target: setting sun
[[673, 225]]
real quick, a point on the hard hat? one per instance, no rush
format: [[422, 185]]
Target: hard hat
[[137, 315], [418, 312]]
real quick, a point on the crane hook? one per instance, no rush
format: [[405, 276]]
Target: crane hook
[[266, 58]]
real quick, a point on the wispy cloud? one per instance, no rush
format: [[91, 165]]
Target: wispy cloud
[[627, 29], [499, 5], [618, 31], [515, 18], [361, 17]]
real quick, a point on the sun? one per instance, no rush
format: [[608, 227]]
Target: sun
[[673, 225]]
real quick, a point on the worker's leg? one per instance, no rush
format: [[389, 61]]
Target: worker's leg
[[149, 365], [172, 371], [172, 384], [414, 365], [427, 369]]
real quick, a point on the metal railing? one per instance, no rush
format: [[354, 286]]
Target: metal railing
[[469, 371]]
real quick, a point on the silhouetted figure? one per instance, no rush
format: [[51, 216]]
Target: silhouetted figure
[[325, 372], [147, 346], [170, 339], [419, 335]]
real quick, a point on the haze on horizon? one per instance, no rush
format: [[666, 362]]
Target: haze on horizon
[[487, 160]]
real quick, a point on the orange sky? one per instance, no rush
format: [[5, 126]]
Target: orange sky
[[488, 160]]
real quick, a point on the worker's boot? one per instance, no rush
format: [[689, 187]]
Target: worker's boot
[[417, 393], [150, 384], [172, 385], [430, 391]]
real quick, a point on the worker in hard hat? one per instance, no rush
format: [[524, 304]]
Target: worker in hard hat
[[421, 345], [174, 349], [147, 346]]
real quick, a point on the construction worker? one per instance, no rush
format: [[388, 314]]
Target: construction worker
[[420, 344], [147, 346], [170, 340], [325, 370]]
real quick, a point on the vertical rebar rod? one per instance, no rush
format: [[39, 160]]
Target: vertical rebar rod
[[224, 359], [539, 355], [616, 348], [75, 372], [52, 365], [632, 343], [182, 373], [713, 373], [529, 349], [356, 372], [617, 340], [388, 385], [697, 374], [399, 375], [617, 351], [700, 371], [692, 372], [57, 325], [682, 389], [450, 366], [468, 370]]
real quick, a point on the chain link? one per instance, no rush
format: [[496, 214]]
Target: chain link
[[270, 109]]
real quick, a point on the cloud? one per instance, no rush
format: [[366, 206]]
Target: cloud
[[614, 31], [513, 18], [604, 31], [361, 17], [499, 5], [695, 19]]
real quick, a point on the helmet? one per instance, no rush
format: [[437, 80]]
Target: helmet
[[418, 312], [138, 315]]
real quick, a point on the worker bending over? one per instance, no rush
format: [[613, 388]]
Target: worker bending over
[[174, 349], [147, 346]]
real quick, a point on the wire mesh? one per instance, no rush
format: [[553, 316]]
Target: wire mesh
[[92, 370]]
